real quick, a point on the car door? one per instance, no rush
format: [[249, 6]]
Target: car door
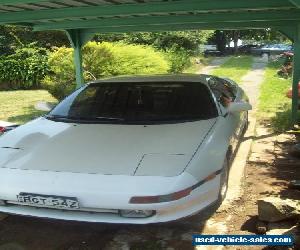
[[240, 96], [226, 92]]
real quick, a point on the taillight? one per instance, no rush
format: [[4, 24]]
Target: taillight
[[173, 196], [161, 198], [8, 128]]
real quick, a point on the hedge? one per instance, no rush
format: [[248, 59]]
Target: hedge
[[102, 60], [24, 69]]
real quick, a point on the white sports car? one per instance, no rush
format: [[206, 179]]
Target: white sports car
[[126, 150]]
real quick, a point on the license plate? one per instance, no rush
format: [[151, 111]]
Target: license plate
[[48, 201]]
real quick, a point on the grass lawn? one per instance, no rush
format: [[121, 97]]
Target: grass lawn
[[235, 68], [274, 107], [18, 106]]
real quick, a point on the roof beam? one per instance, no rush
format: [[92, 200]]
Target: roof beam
[[289, 31], [296, 3], [178, 27], [10, 2], [142, 8], [167, 20]]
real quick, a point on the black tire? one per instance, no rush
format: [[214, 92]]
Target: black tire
[[224, 180]]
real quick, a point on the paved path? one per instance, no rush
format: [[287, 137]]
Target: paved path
[[253, 79], [215, 63], [251, 84]]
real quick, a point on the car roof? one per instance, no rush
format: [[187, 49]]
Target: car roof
[[202, 78]]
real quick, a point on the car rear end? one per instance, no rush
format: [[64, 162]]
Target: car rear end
[[111, 199]]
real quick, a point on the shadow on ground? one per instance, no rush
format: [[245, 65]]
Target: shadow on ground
[[274, 177], [33, 233], [29, 113], [283, 119]]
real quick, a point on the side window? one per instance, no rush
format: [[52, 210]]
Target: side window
[[231, 87], [224, 91]]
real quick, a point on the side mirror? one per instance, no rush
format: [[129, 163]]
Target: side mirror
[[235, 107], [44, 106]]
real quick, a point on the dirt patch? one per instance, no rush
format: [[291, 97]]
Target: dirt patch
[[267, 174]]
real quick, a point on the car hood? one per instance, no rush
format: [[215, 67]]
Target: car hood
[[110, 149]]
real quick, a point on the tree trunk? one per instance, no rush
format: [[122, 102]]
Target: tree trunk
[[236, 35], [221, 41]]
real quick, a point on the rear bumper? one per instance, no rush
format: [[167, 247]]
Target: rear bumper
[[107, 193]]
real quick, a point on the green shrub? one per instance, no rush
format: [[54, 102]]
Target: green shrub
[[98, 60], [101, 60], [138, 59], [24, 69], [179, 60], [61, 79]]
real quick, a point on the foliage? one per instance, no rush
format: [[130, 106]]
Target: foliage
[[131, 60], [13, 37], [179, 60], [197, 63], [274, 107], [257, 36], [18, 106], [174, 40], [178, 45], [102, 60], [235, 68], [61, 79], [286, 69], [24, 69], [263, 36]]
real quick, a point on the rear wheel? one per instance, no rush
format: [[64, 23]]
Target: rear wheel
[[224, 180]]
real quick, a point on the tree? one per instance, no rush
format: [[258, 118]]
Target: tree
[[263, 36], [219, 38], [176, 40], [222, 38], [12, 37]]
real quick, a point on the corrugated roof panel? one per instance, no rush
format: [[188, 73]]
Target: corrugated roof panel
[[82, 12], [72, 3], [46, 5], [9, 8], [30, 7]]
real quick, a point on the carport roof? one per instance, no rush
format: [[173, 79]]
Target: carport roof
[[149, 15]]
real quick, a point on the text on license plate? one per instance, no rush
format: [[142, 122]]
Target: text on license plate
[[48, 200]]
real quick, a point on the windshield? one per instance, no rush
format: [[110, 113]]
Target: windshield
[[137, 103]]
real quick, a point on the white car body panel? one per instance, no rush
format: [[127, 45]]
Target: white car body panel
[[5, 124], [105, 165], [95, 199], [101, 143], [156, 164]]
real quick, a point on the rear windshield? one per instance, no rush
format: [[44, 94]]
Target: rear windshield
[[137, 103]]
